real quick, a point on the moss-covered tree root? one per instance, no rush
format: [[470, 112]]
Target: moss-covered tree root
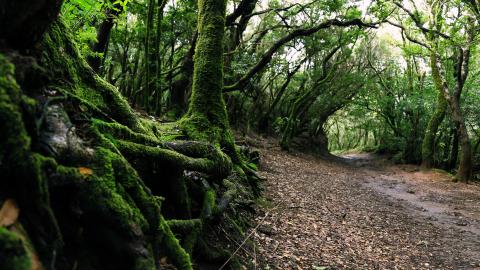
[[95, 182], [89, 205]]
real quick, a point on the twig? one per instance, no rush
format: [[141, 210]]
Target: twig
[[254, 255], [245, 240], [235, 242]]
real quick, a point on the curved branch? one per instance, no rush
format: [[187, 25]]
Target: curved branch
[[244, 9], [220, 167], [407, 36], [302, 32], [419, 24]]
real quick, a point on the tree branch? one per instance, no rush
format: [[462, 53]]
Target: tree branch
[[419, 24], [302, 32]]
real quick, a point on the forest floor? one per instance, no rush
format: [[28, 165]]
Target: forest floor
[[363, 212]]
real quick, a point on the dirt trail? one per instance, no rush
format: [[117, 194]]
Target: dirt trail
[[364, 213]]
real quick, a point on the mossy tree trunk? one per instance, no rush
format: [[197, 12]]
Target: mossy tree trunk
[[88, 173], [149, 56], [100, 46], [207, 119], [464, 172], [453, 158], [428, 145], [448, 98], [158, 85]]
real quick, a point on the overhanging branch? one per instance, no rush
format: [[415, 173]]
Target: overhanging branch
[[302, 32]]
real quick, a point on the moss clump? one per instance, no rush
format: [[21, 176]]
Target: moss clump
[[175, 252], [14, 140], [97, 207], [17, 162], [62, 61], [109, 195], [206, 119], [13, 254], [189, 230]]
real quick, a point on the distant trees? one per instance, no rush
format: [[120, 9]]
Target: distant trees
[[421, 106], [454, 39], [272, 69]]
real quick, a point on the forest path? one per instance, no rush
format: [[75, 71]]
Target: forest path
[[364, 213]]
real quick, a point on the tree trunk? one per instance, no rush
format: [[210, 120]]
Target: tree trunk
[[103, 37], [149, 57], [207, 118], [452, 162], [92, 200], [264, 121], [465, 168], [158, 86], [428, 146], [22, 23], [464, 172], [180, 89]]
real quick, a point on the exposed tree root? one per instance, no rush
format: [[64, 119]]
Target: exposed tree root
[[89, 174]]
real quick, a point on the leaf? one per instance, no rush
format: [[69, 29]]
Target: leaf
[[85, 171], [9, 213]]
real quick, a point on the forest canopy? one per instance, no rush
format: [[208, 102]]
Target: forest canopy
[[125, 123]]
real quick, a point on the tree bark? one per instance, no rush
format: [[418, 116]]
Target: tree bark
[[452, 162], [22, 23], [464, 172], [207, 118], [428, 145], [103, 37], [149, 56]]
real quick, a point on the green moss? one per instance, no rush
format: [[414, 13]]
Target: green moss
[[209, 204], [191, 155], [206, 165], [107, 193], [61, 59], [163, 131], [30, 186], [235, 225], [183, 226], [123, 132], [13, 254], [189, 230], [14, 140], [148, 204], [175, 252], [112, 196], [206, 119]]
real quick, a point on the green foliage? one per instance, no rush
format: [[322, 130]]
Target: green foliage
[[80, 16], [332, 5]]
